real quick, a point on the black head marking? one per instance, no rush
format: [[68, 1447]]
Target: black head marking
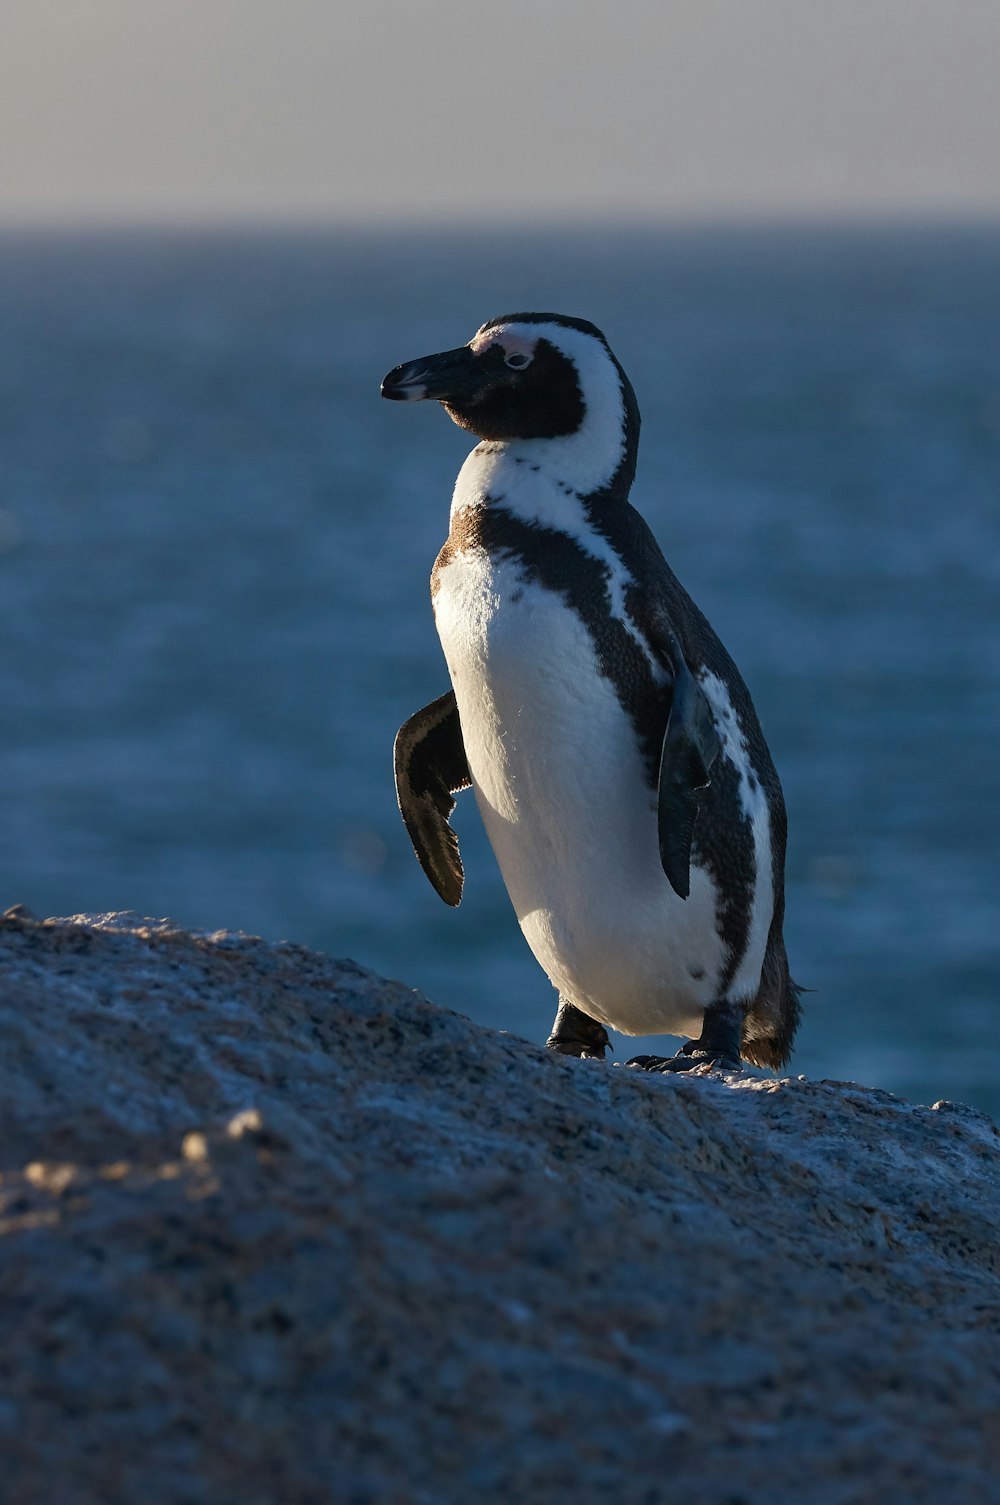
[[542, 401]]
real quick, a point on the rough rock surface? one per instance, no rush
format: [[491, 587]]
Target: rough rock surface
[[277, 1230]]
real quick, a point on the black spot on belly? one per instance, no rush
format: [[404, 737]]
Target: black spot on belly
[[516, 596], [697, 973]]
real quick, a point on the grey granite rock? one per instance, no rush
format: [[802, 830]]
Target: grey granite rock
[[277, 1230]]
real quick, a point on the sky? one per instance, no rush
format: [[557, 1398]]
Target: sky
[[341, 110]]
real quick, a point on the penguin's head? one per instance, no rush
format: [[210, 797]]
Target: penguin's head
[[532, 377]]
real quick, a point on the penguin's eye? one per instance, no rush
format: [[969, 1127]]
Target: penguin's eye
[[517, 361]]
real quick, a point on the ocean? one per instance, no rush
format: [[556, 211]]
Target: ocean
[[215, 543]]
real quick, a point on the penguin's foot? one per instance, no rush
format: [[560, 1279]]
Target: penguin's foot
[[576, 1034], [717, 1046], [687, 1060]]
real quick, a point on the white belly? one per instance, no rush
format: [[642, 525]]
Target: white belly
[[562, 790]]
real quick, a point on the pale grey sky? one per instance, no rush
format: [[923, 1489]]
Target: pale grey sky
[[274, 108]]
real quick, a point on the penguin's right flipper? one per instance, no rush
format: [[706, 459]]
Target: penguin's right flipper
[[430, 766], [690, 747]]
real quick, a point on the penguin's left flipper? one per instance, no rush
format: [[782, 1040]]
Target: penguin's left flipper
[[431, 767], [690, 747]]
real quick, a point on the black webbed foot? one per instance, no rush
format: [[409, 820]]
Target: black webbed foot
[[718, 1045], [576, 1034], [687, 1060]]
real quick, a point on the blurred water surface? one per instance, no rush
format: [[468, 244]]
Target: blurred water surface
[[214, 550]]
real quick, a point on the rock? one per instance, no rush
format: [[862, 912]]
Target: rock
[[277, 1230]]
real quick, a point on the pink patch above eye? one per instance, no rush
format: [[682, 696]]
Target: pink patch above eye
[[513, 344]]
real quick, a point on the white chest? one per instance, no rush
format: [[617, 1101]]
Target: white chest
[[563, 793]]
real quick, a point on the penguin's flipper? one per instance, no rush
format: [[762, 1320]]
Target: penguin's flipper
[[690, 747], [430, 765]]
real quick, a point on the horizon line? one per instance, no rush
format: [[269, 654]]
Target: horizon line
[[914, 217]]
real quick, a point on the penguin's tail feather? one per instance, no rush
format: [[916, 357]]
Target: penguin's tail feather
[[773, 1017]]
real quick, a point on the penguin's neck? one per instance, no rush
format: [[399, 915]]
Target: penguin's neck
[[551, 482]]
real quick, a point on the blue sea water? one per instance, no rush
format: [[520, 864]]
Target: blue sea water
[[215, 543]]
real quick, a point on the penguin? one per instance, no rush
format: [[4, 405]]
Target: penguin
[[612, 746]]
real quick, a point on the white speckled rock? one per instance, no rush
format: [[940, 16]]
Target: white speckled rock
[[278, 1231]]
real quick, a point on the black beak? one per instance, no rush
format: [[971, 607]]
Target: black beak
[[453, 376]]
